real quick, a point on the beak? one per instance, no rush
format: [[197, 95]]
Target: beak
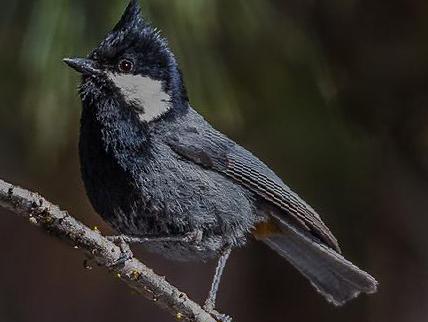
[[83, 65]]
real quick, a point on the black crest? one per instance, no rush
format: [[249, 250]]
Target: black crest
[[129, 29], [131, 18]]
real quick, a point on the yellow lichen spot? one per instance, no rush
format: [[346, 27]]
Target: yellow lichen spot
[[48, 220], [135, 275], [33, 220], [87, 265], [179, 316], [96, 230]]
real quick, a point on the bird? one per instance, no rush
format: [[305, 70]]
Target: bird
[[162, 176]]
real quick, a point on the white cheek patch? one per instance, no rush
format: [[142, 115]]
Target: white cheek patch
[[145, 93]]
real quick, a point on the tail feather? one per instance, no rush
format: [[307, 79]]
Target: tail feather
[[337, 279]]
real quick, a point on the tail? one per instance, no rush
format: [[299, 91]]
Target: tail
[[337, 279]]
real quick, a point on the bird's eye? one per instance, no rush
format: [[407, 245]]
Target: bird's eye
[[125, 66]]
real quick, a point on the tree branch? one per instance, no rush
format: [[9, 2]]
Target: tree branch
[[135, 274]]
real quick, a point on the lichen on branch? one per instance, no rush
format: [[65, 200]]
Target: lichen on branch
[[59, 223]]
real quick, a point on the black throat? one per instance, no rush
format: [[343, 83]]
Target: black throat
[[110, 125], [114, 149]]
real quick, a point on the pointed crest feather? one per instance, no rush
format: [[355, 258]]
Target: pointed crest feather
[[130, 17]]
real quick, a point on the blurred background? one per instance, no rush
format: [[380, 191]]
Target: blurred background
[[332, 94]]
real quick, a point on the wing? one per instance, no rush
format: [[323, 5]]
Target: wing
[[198, 142]]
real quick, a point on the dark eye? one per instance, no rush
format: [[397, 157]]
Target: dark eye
[[126, 66]]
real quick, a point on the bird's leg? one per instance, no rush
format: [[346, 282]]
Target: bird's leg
[[123, 242], [210, 302], [194, 236]]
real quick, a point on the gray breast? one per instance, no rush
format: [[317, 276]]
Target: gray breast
[[181, 197]]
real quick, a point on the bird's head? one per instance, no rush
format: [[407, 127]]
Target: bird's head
[[133, 64]]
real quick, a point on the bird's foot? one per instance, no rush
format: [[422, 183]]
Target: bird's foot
[[193, 237], [209, 306], [125, 251], [218, 316], [123, 242]]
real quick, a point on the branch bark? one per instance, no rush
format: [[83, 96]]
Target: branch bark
[[135, 274]]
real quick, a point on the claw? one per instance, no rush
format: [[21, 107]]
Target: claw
[[209, 307], [121, 260], [194, 236], [218, 316], [126, 253]]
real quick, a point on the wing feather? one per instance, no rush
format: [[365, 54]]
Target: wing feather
[[203, 145], [253, 175]]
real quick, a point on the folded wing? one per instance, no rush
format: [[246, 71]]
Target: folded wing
[[212, 150]]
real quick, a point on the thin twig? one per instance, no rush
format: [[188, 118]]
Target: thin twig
[[135, 274]]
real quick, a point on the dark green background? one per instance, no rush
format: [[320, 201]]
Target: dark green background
[[332, 94]]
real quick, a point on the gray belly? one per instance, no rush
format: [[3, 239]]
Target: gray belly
[[177, 198]]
